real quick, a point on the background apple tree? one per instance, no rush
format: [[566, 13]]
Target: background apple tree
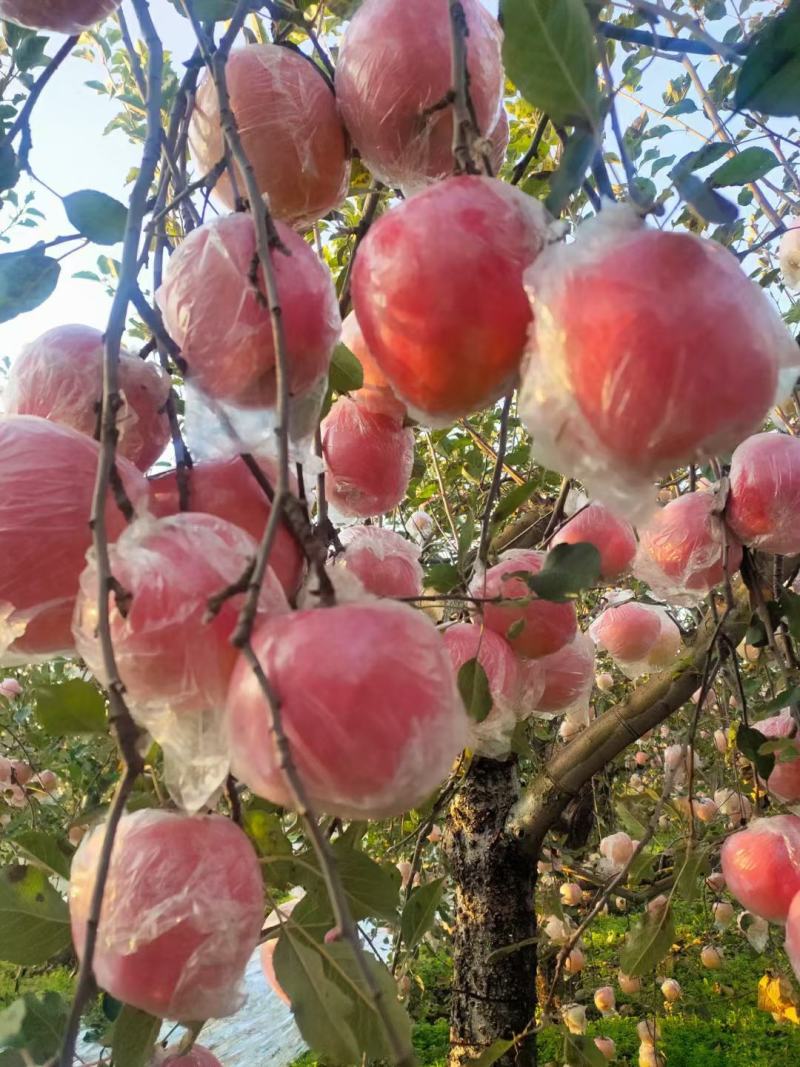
[[539, 881]]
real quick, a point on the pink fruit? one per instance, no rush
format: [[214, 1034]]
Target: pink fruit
[[617, 849], [628, 984], [612, 537], [765, 493], [59, 376], [761, 865], [47, 476], [793, 934], [197, 1056], [10, 687], [784, 781], [467, 642], [567, 674], [182, 912], [627, 631], [368, 454], [437, 287], [711, 957], [22, 772], [606, 1047], [533, 627], [571, 894], [167, 653], [385, 563], [612, 393], [58, 16], [293, 137], [681, 549], [274, 919], [604, 999], [353, 338], [368, 703], [226, 488], [394, 66], [212, 310]]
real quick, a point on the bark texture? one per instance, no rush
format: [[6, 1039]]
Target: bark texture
[[494, 880]]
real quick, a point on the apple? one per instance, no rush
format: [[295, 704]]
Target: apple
[[613, 538], [765, 493], [57, 16], [385, 563], [761, 865]]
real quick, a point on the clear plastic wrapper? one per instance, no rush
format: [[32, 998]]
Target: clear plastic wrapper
[[420, 526], [182, 913], [465, 642], [616, 850], [394, 70], [567, 679], [57, 16], [368, 454], [764, 499], [682, 548], [385, 563], [789, 257], [532, 627], [630, 371], [640, 638], [784, 781], [47, 476], [228, 489], [369, 707], [437, 288], [212, 310], [290, 129], [59, 376], [761, 865], [498, 141], [197, 1056], [174, 662], [613, 538]]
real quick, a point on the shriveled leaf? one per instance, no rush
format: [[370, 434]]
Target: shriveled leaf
[[746, 166], [647, 943], [473, 685], [420, 911], [550, 54], [135, 1034], [34, 920], [769, 78], [26, 280], [71, 707], [46, 850], [97, 216], [776, 996], [346, 374]]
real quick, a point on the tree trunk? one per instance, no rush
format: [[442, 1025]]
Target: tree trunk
[[494, 879]]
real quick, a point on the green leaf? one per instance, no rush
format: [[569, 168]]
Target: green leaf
[[492, 1054], [769, 78], [710, 153], [581, 1051], [346, 374], [442, 577], [567, 570], [34, 920], [749, 742], [789, 604], [515, 629], [71, 707], [647, 943], [683, 107], [708, 204], [31, 53], [420, 911], [550, 55], [26, 280], [372, 889], [514, 499], [209, 10], [690, 863], [135, 1033], [9, 169], [782, 700], [473, 685], [575, 161], [746, 166], [97, 216], [35, 1024], [46, 850]]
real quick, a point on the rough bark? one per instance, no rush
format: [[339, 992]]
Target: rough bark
[[494, 880]]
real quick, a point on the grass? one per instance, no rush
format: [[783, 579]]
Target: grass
[[16, 981]]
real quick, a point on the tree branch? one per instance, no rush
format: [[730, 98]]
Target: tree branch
[[23, 119], [664, 43]]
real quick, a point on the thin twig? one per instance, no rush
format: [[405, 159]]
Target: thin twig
[[494, 488], [23, 120]]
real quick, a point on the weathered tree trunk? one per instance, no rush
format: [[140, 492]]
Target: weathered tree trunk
[[494, 880]]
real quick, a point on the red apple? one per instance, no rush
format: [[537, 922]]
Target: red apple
[[182, 912], [197, 1056], [793, 934], [290, 130], [761, 865], [368, 454], [47, 476], [385, 563], [627, 631], [394, 67], [651, 349], [784, 781], [532, 627], [613, 538], [59, 376], [437, 288], [568, 675], [212, 310], [368, 703], [227, 488], [764, 497], [57, 16], [374, 377], [681, 549]]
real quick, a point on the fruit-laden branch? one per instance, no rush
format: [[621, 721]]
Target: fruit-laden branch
[[610, 734], [125, 730], [266, 239]]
